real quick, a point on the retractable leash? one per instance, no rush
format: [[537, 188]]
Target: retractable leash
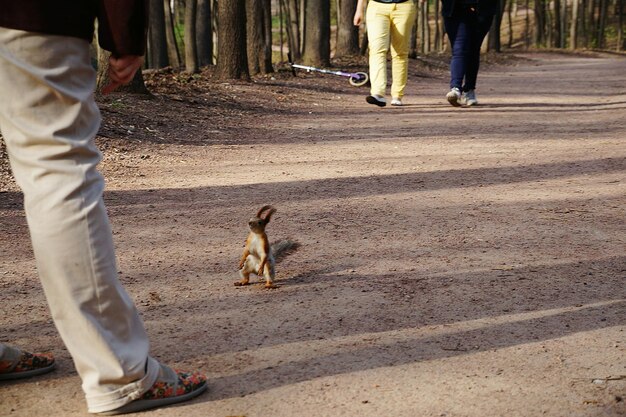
[[356, 79]]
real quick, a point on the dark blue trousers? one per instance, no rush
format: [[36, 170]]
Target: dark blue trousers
[[466, 29]]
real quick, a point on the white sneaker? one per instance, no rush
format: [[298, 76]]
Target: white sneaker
[[454, 97], [470, 98], [376, 100], [396, 102]]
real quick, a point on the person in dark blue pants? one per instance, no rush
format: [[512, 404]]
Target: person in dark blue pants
[[467, 22]]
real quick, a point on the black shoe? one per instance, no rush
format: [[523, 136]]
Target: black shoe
[[375, 100]]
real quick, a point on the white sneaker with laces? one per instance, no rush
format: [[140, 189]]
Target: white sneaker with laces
[[470, 98], [396, 102], [454, 96]]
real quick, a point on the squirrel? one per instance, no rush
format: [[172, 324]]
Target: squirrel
[[259, 256]]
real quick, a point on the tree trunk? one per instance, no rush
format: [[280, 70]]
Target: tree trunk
[[364, 43], [232, 60], [540, 23], [281, 20], [548, 24], [290, 8], [316, 50], [347, 33], [191, 54], [172, 44], [556, 37], [602, 23], [573, 33], [255, 35], [437, 26], [204, 33], [302, 22], [509, 10], [527, 25], [589, 23], [413, 47], [216, 25], [563, 36], [268, 35], [427, 25], [420, 34], [621, 42], [294, 23], [157, 39], [259, 35], [494, 41]]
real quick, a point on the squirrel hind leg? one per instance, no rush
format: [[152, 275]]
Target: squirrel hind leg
[[269, 274], [245, 278]]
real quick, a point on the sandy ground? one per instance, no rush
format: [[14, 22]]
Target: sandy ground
[[454, 262]]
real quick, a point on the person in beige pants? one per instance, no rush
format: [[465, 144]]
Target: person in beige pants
[[49, 118], [389, 24]]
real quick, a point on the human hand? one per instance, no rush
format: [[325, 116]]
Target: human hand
[[358, 17], [121, 71]]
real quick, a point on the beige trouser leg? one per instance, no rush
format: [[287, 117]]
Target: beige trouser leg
[[402, 19], [389, 26], [49, 119]]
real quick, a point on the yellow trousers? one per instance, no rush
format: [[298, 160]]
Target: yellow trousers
[[389, 25]]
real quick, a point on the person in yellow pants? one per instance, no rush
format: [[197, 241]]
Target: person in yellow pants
[[389, 24]]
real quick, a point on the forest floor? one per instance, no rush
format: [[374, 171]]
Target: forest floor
[[453, 262]]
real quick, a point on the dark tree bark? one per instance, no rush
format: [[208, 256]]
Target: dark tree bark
[[347, 33], [232, 60], [494, 41], [621, 41], [604, 5], [427, 26], [364, 44], [422, 23], [437, 13], [316, 50], [172, 45], [258, 45], [267, 27], [556, 29], [204, 33], [563, 21], [292, 14], [157, 39], [573, 34], [527, 25], [540, 23], [191, 55], [290, 8]]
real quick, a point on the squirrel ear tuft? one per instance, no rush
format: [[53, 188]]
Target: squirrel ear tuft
[[268, 216], [262, 209]]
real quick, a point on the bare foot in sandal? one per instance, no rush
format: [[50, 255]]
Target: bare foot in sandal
[[17, 364], [171, 387]]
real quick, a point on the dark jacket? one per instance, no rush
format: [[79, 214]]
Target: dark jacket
[[484, 7], [121, 23]]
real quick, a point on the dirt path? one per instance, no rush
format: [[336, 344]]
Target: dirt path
[[454, 262]]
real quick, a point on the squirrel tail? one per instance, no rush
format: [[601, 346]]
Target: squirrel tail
[[282, 248]]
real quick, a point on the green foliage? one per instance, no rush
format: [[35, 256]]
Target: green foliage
[[179, 34]]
